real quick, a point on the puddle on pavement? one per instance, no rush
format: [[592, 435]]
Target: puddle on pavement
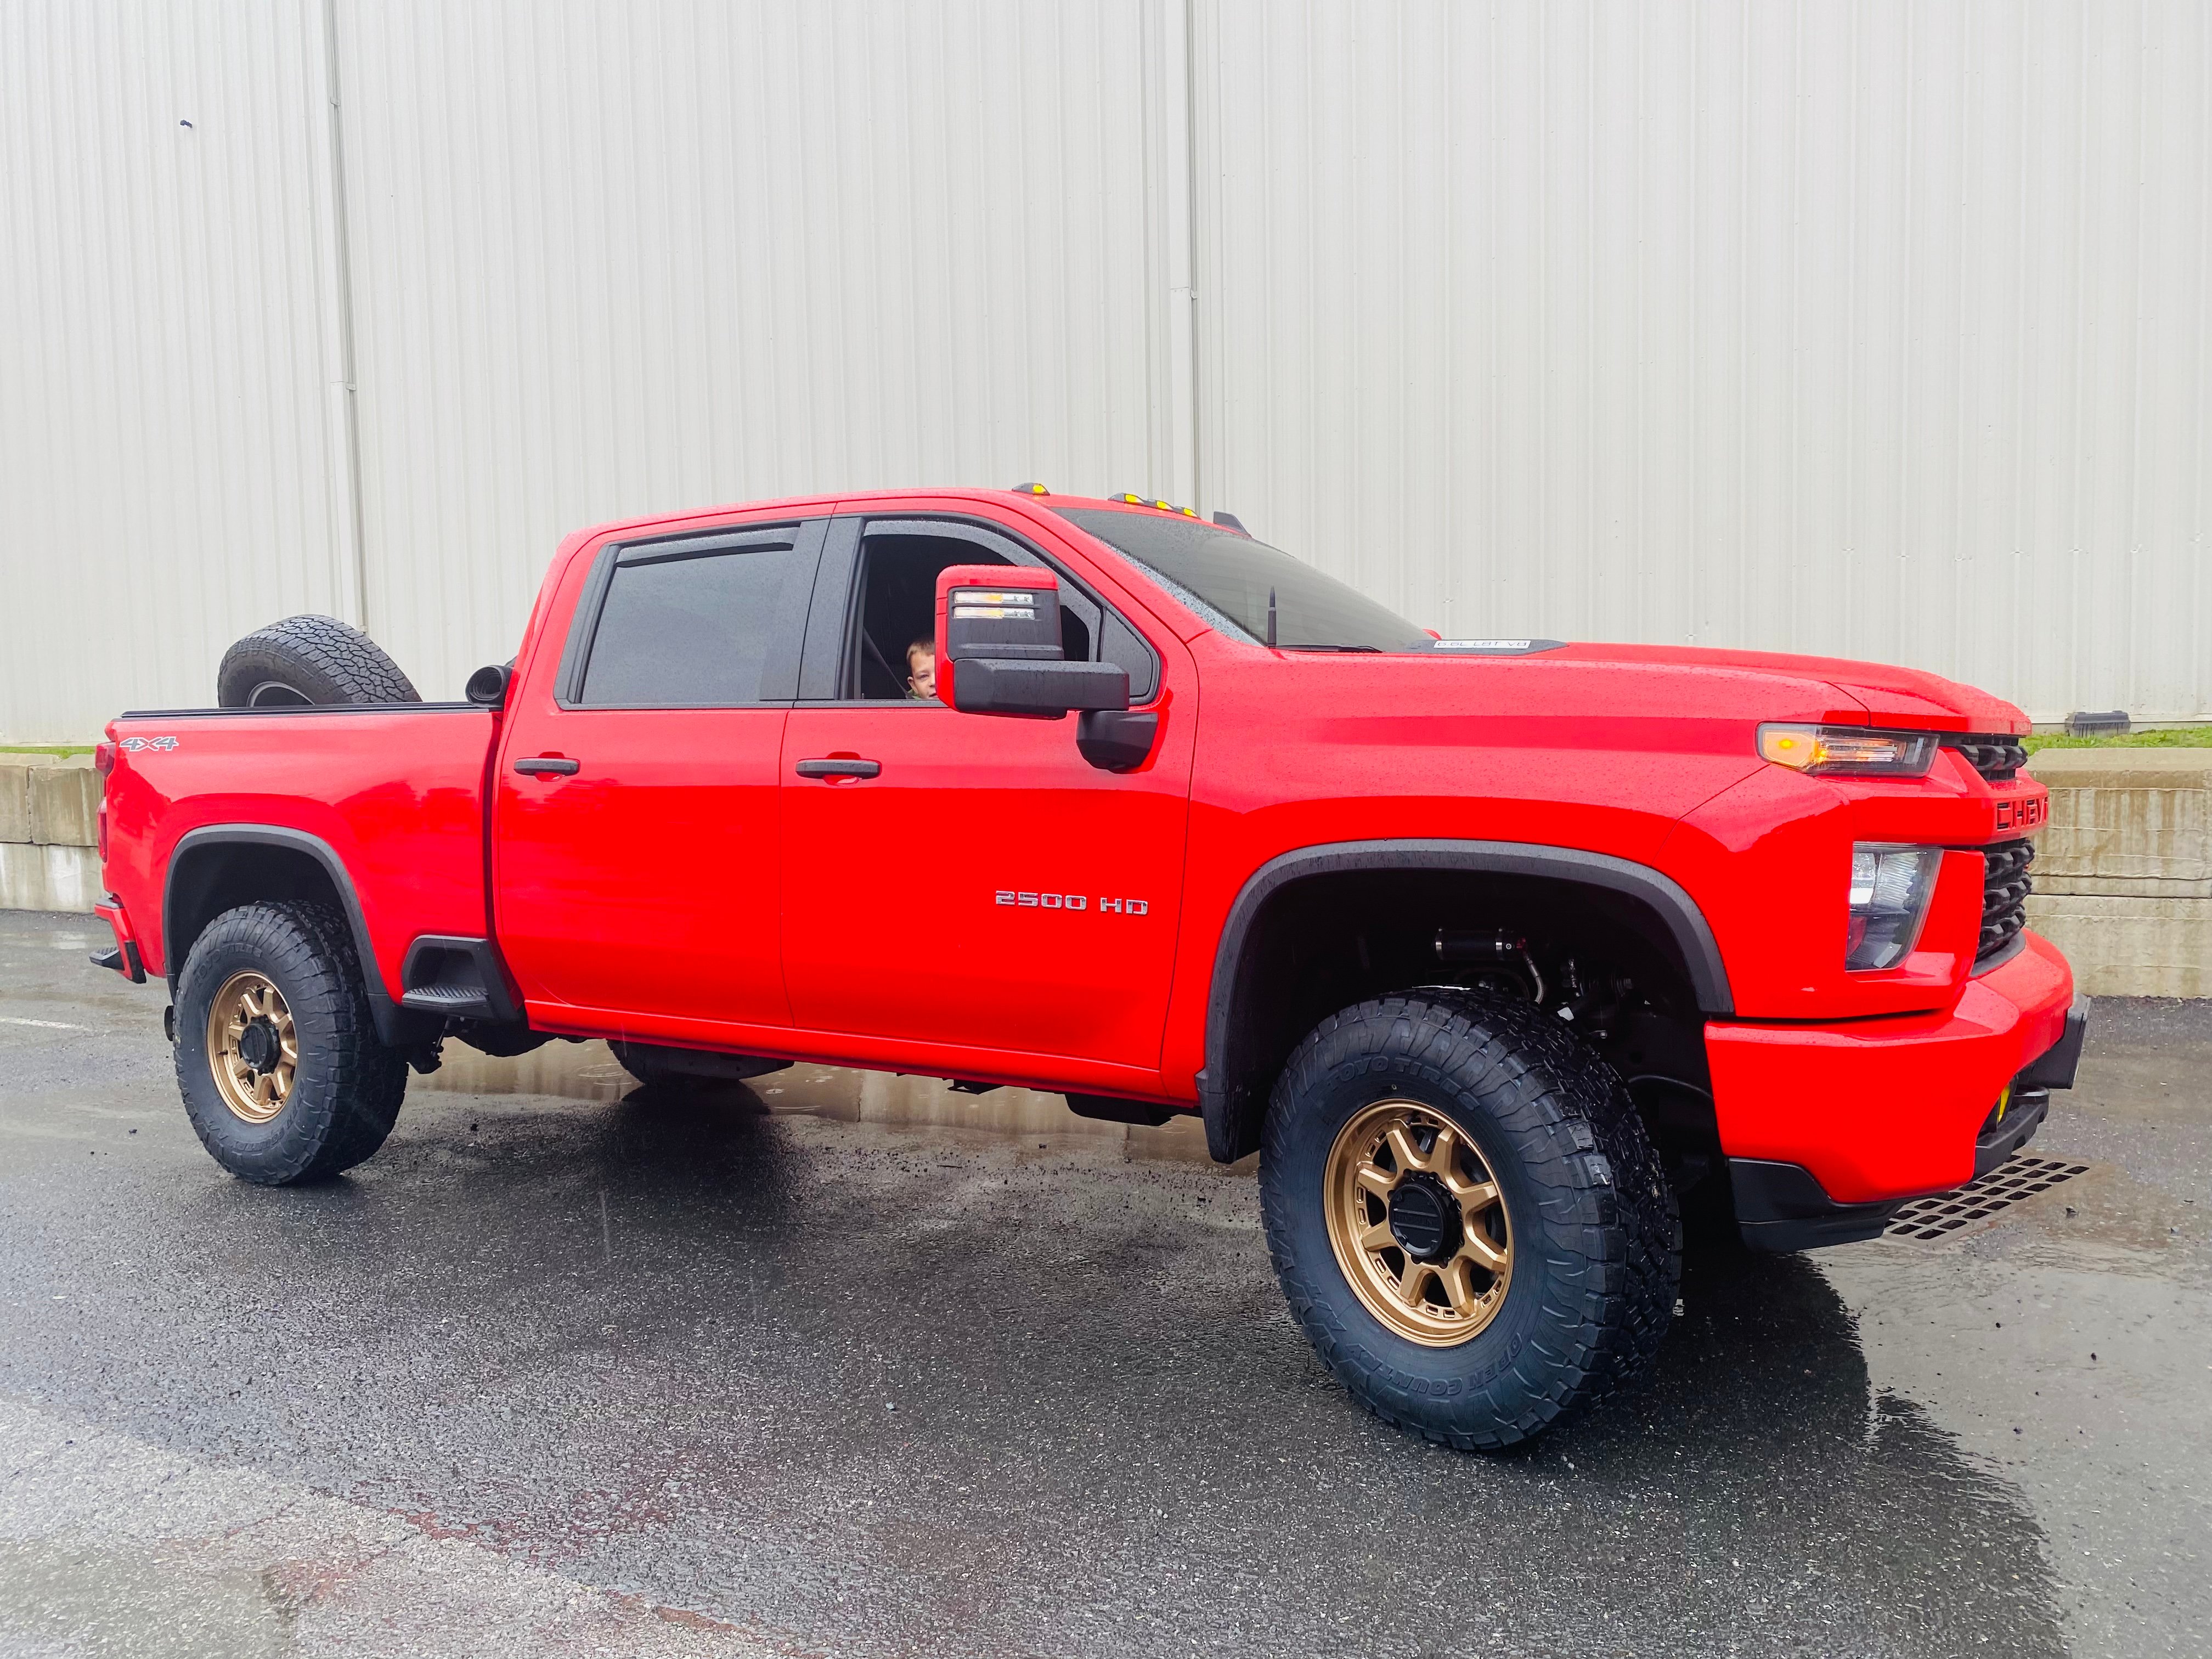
[[587, 1071]]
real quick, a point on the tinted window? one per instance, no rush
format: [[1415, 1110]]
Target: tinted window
[[1227, 578], [693, 630], [898, 605]]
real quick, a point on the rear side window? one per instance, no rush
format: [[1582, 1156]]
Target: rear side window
[[689, 629]]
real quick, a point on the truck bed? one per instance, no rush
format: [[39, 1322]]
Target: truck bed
[[397, 794]]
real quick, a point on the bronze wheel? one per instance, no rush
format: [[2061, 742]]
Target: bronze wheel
[[1419, 1226], [253, 1047]]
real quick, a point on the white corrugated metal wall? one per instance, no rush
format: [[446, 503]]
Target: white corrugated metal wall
[[1881, 329], [165, 318], [1872, 329]]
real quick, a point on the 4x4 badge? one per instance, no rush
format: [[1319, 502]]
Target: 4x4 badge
[[134, 745]]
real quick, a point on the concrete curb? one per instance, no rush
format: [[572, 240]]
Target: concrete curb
[[2124, 872], [49, 833]]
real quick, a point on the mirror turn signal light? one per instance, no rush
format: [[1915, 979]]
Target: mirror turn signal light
[[1848, 751]]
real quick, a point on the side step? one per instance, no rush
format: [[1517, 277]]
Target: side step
[[458, 977]]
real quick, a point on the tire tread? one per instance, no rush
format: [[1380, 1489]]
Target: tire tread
[[1606, 1216]]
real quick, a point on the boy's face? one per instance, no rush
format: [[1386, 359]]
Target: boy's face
[[921, 673]]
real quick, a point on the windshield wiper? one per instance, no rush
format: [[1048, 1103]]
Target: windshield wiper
[[1376, 650]]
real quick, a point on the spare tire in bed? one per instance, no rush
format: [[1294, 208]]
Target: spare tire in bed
[[308, 660]]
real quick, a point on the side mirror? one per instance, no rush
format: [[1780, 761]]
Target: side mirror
[[999, 650], [486, 687]]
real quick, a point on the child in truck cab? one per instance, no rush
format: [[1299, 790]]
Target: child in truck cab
[[921, 671]]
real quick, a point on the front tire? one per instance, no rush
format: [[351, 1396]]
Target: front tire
[[1467, 1215], [278, 1058]]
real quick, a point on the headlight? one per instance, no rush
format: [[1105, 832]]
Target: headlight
[[1846, 751], [1890, 889]]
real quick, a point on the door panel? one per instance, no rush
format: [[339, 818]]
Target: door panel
[[645, 880], [988, 887]]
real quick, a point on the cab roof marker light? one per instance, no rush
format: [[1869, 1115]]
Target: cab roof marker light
[[1135, 499], [1848, 751], [1032, 489]]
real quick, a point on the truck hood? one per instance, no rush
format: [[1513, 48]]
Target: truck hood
[[1873, 694]]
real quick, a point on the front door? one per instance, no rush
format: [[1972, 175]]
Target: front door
[[637, 845], [983, 885]]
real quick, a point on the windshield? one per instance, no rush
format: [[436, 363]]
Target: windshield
[[1227, 578]]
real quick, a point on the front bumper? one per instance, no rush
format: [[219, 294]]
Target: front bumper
[[1879, 1110]]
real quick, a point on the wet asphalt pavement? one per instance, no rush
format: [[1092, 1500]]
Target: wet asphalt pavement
[[851, 1365]]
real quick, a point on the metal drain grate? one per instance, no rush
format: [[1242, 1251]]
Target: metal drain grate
[[2009, 1182]]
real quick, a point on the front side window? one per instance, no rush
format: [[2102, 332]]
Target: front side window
[[1228, 579], [694, 628], [892, 655]]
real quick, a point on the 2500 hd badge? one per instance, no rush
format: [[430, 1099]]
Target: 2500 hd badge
[[1123, 907]]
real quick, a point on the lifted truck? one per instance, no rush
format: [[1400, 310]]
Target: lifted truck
[[1498, 952]]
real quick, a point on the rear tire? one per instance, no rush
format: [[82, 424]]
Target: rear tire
[[1548, 1174], [689, 1068], [280, 983], [309, 660]]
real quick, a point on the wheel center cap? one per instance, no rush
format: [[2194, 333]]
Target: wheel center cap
[[1425, 1218], [257, 1045]]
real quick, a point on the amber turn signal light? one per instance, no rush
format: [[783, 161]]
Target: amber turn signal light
[[1848, 751]]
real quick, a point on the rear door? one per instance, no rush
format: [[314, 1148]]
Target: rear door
[[984, 886], [636, 852]]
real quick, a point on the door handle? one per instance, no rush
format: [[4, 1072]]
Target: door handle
[[532, 766], [838, 769]]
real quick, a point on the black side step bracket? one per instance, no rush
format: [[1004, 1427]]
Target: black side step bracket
[[459, 977]]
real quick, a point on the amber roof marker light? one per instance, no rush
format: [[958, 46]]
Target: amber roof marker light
[[1135, 499]]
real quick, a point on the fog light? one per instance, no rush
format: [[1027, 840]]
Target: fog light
[[1890, 890]]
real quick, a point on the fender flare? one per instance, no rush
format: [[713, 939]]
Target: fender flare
[[1232, 1129], [396, 1026]]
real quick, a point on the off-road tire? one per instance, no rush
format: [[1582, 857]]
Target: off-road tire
[[346, 1092], [689, 1068], [1597, 1241], [309, 660]]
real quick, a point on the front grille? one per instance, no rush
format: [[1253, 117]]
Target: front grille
[[2005, 888], [1994, 755]]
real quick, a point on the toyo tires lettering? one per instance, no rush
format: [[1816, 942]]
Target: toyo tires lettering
[[1117, 907]]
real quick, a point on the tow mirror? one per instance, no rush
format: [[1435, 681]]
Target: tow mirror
[[999, 650]]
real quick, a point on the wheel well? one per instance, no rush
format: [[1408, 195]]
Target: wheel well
[[209, 878], [1321, 942]]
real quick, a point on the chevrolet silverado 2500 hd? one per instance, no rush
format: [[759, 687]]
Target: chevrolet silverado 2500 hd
[[1500, 953]]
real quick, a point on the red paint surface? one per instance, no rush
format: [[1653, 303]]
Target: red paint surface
[[1882, 1108]]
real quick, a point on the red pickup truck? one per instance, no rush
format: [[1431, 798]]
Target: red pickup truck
[[1500, 953]]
